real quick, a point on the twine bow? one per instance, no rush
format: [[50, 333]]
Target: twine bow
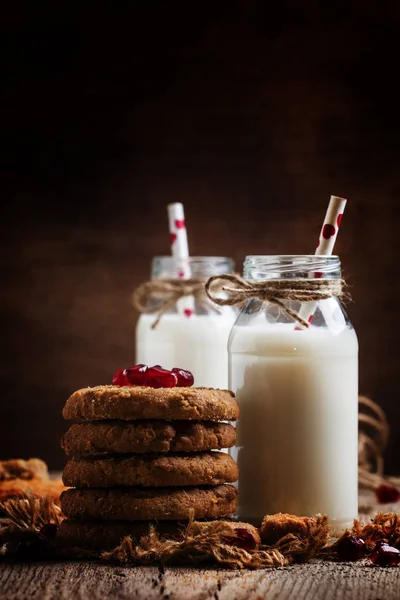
[[275, 291], [165, 293]]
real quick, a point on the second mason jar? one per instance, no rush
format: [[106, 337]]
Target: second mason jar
[[199, 343], [298, 394]]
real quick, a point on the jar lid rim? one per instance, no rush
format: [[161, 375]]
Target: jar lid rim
[[291, 256], [191, 258]]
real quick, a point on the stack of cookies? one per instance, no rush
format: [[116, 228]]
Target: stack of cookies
[[140, 455]]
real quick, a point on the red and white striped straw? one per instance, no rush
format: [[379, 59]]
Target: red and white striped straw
[[326, 242], [180, 251], [330, 227]]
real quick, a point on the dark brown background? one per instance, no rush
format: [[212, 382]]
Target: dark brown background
[[250, 115]]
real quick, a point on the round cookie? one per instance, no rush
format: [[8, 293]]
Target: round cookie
[[105, 535], [137, 402], [101, 437], [147, 470], [163, 504]]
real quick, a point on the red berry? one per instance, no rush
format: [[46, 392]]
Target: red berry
[[387, 493], [158, 378], [384, 555], [185, 378], [119, 378], [49, 531], [243, 538], [351, 548], [137, 375]]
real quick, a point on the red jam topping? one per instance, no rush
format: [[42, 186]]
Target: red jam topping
[[158, 377], [155, 377], [136, 375], [185, 378], [119, 378]]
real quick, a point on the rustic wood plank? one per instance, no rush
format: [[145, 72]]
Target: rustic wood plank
[[91, 581], [78, 580]]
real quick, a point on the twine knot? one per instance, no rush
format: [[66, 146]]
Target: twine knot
[[275, 291], [161, 295]]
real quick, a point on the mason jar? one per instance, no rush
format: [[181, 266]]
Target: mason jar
[[197, 342], [297, 388]]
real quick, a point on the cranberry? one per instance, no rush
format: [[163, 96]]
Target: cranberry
[[158, 378], [49, 531], [137, 375], [351, 548], [384, 555], [185, 378], [243, 538], [119, 378], [387, 493]]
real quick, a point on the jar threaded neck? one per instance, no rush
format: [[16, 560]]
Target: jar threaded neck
[[259, 267]]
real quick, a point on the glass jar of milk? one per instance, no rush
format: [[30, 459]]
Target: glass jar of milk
[[298, 394], [198, 343]]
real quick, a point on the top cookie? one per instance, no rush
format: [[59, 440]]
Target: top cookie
[[138, 402]]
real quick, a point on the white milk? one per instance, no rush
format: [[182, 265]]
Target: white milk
[[198, 344], [297, 432]]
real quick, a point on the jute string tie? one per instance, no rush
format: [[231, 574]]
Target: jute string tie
[[373, 435], [161, 295], [275, 291]]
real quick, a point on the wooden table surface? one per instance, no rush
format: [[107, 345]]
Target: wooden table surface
[[84, 581], [315, 580]]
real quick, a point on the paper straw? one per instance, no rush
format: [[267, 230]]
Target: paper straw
[[326, 242], [330, 228], [180, 251]]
